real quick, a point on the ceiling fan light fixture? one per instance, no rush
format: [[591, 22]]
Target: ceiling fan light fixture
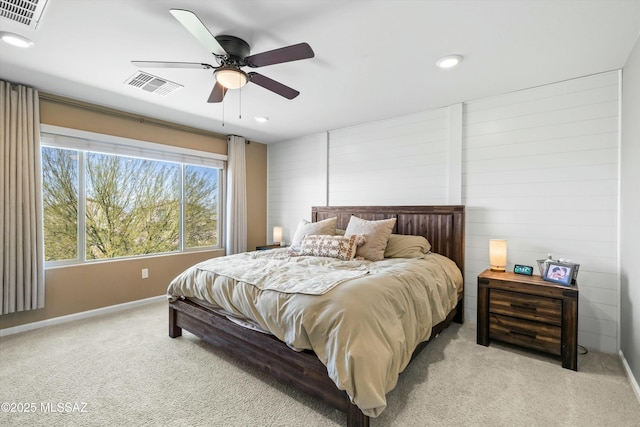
[[449, 61], [231, 77]]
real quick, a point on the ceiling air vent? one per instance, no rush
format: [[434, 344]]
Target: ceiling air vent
[[25, 12], [152, 83]]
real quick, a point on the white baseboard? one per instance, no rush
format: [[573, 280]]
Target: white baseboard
[[76, 316], [632, 379]]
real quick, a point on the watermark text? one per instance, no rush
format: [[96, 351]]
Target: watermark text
[[44, 407]]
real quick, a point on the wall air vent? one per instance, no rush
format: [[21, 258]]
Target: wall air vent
[[153, 84], [27, 12]]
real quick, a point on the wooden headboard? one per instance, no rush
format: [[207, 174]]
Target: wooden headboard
[[443, 226]]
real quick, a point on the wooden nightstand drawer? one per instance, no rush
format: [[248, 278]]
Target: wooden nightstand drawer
[[538, 336], [524, 306], [530, 312]]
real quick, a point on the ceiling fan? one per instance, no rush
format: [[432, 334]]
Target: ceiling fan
[[232, 53]]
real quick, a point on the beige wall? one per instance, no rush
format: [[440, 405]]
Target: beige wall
[[85, 287], [256, 157], [92, 118]]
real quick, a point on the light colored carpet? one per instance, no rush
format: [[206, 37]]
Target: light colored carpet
[[129, 372]]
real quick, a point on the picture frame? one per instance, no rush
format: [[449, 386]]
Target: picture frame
[[560, 272], [542, 266]]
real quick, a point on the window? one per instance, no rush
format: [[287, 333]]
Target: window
[[60, 203], [200, 206], [106, 200]]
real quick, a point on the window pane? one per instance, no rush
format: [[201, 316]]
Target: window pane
[[200, 206], [132, 206], [60, 203]]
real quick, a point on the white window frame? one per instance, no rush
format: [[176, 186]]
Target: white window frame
[[67, 138]]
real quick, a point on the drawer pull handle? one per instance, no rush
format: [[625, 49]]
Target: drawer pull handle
[[523, 307], [526, 334]]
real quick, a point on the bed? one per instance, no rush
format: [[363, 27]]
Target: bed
[[309, 371]]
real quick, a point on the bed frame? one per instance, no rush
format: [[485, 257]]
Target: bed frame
[[443, 226]]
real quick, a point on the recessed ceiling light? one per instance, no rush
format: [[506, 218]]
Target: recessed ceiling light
[[15, 39], [261, 119], [449, 61]]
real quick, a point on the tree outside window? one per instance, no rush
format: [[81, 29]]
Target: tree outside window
[[60, 203], [132, 206]]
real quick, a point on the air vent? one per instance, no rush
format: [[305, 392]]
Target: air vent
[[27, 12], [152, 84]]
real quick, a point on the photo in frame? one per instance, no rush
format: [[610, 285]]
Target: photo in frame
[[558, 272], [543, 264]]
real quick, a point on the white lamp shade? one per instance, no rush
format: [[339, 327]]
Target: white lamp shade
[[498, 254], [277, 234]]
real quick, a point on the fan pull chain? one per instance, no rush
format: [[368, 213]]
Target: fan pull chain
[[240, 105], [222, 112]]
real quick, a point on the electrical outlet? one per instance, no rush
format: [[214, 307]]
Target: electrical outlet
[[145, 273]]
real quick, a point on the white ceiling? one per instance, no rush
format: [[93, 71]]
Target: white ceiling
[[373, 59]]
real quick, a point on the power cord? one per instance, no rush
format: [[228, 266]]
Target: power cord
[[582, 350]]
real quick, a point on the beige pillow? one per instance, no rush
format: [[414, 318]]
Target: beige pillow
[[376, 235], [406, 246], [339, 247], [306, 228]]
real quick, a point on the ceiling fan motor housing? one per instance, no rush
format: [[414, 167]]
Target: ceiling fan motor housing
[[236, 48]]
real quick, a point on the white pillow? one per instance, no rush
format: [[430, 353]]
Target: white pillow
[[306, 228], [376, 235]]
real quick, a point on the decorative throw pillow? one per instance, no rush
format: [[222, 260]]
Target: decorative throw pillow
[[403, 246], [376, 235], [339, 247], [306, 228]]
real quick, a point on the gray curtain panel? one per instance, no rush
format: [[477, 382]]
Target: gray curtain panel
[[22, 239]]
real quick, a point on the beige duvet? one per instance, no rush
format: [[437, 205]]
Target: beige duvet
[[364, 327]]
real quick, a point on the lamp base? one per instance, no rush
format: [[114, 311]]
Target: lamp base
[[499, 269]]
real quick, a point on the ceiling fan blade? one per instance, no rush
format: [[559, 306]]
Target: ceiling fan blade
[[158, 64], [195, 26], [277, 56], [273, 85], [217, 94]]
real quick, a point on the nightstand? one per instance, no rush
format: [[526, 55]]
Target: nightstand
[[530, 312], [269, 247]]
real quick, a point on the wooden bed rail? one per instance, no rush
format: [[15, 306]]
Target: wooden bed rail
[[302, 370]]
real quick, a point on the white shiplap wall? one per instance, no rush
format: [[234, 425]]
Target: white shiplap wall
[[403, 160], [297, 180], [539, 168]]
